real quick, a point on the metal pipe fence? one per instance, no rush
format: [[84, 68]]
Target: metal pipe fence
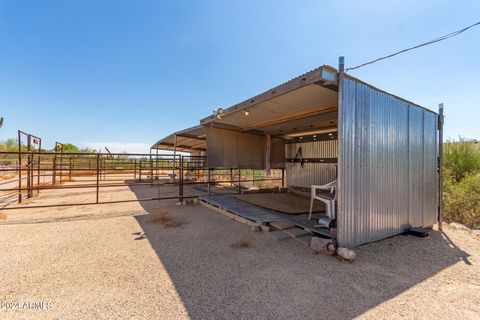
[[34, 171]]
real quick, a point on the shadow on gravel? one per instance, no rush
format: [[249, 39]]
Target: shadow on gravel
[[272, 280]]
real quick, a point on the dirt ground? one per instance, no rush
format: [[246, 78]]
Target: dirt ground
[[114, 261]]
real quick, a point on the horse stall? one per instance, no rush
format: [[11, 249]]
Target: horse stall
[[368, 158]]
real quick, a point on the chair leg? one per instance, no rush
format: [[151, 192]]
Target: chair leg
[[329, 210], [334, 214]]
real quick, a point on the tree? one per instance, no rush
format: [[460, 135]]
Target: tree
[[71, 148], [68, 147], [9, 145], [88, 150]]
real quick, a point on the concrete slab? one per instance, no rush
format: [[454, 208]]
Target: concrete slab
[[282, 225], [296, 232]]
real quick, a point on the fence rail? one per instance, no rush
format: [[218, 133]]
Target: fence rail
[[25, 173]]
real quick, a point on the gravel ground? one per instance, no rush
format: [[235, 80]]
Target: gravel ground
[[110, 262]]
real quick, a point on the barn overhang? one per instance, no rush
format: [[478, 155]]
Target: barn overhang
[[380, 148], [306, 103], [192, 139]]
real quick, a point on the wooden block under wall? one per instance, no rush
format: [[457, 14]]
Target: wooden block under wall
[[282, 225], [230, 215], [296, 232], [219, 210], [256, 228], [244, 220], [265, 228], [278, 235]]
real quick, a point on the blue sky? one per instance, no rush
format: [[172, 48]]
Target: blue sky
[[125, 73]]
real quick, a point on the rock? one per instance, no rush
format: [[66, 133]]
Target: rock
[[476, 232], [346, 254], [458, 226], [322, 245]]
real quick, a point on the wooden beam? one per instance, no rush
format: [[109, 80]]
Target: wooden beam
[[189, 136], [295, 116]]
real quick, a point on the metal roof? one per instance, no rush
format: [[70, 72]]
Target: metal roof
[[307, 96], [306, 103], [188, 140], [291, 101]]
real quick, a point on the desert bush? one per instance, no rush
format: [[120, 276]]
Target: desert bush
[[243, 243], [9, 145], [462, 183], [462, 201], [460, 158], [166, 219]]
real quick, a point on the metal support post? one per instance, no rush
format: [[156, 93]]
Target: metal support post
[[208, 181], [339, 190], [19, 167], [135, 169], [239, 181], [151, 167], [140, 169], [180, 183], [29, 167], [156, 163], [39, 164], [70, 163], [54, 170], [440, 166], [98, 177]]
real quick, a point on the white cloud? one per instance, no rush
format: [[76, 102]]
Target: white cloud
[[118, 147]]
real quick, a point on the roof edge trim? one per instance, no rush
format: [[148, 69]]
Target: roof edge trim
[[325, 74]]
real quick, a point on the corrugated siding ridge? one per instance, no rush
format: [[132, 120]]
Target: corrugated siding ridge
[[387, 165]]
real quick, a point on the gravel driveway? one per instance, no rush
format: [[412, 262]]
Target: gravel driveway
[[114, 263]]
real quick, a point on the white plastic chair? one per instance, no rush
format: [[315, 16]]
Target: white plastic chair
[[327, 199]]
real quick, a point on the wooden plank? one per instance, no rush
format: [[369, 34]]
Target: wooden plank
[[296, 232], [282, 225]]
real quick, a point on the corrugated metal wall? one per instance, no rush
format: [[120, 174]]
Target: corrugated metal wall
[[311, 173], [233, 149], [387, 165]]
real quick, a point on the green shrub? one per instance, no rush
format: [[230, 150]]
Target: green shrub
[[10, 145], [462, 201], [460, 158], [9, 159]]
